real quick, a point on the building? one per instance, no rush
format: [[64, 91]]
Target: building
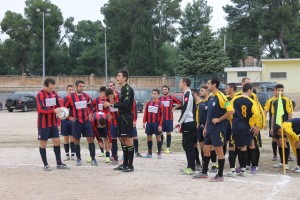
[[236, 74]]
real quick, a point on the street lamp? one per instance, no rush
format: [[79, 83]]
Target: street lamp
[[105, 49], [48, 10]]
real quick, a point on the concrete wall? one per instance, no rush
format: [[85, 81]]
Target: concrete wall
[[255, 76], [290, 66]]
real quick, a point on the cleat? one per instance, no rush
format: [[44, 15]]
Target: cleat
[[47, 168], [128, 169], [182, 170], [295, 168], [137, 154], [73, 157], [243, 174], [297, 171], [107, 160], [200, 175], [167, 151], [217, 178], [120, 168], [148, 156], [114, 162], [89, 160], [158, 156], [213, 169], [232, 174], [198, 167], [279, 165], [78, 162], [62, 166], [238, 170], [290, 159], [274, 158], [253, 170], [101, 154], [188, 171], [248, 167], [67, 158], [94, 162]]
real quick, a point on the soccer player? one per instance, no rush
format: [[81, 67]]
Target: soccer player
[[167, 126], [288, 115], [100, 123], [125, 122], [219, 109], [134, 131], [97, 105], [152, 122], [292, 129], [244, 127], [81, 115], [188, 125], [67, 129], [197, 98], [267, 109], [48, 106]]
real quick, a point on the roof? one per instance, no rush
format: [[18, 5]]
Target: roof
[[281, 60], [243, 69]]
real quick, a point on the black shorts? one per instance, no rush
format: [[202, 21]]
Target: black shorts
[[47, 133], [125, 125], [231, 142], [84, 129], [242, 138], [102, 132], [228, 131], [214, 138]]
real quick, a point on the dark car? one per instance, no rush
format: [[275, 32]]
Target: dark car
[[0, 106], [139, 106], [20, 101]]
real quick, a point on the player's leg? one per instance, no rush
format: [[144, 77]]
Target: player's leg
[[107, 149], [169, 129], [213, 158], [136, 142], [43, 135], [159, 144], [189, 134], [72, 147], [67, 147], [297, 145], [77, 129], [66, 132], [149, 131], [232, 157], [218, 139], [243, 158], [88, 133], [114, 143], [274, 148], [254, 154]]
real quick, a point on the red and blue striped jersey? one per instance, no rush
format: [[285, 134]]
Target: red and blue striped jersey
[[46, 104], [153, 112], [80, 104], [97, 105], [168, 102]]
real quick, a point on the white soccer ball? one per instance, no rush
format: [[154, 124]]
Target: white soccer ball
[[64, 113]]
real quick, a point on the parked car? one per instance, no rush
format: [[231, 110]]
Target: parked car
[[139, 106], [222, 88], [0, 106], [264, 86], [20, 101]]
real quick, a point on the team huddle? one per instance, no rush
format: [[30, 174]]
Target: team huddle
[[209, 122]]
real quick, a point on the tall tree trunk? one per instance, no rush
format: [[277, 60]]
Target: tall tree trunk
[[283, 47]]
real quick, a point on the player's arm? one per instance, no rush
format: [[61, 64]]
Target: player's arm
[[176, 101], [160, 116], [289, 108], [127, 99], [197, 117], [188, 105], [42, 108], [145, 115], [255, 119], [288, 129]]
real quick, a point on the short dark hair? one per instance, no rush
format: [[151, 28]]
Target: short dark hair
[[195, 91], [215, 80], [203, 86], [102, 89], [49, 81], [233, 86], [102, 121], [187, 81], [69, 86], [124, 73], [165, 86], [156, 90], [244, 79], [247, 87], [254, 90], [78, 82], [108, 92], [279, 86]]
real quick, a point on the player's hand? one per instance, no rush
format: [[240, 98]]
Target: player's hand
[[57, 110], [134, 124], [255, 130], [90, 117], [173, 109], [215, 120], [159, 129], [204, 132], [72, 119], [197, 127], [106, 104], [144, 125], [271, 132]]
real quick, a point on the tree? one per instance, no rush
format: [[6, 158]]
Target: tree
[[205, 56]]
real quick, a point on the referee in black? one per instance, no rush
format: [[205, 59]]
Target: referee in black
[[125, 121]]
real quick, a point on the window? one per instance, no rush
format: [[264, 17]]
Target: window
[[241, 74], [278, 74]]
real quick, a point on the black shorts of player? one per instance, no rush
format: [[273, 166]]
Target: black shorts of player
[[66, 128], [200, 137], [134, 132], [214, 138], [231, 141], [152, 128], [125, 125], [167, 126], [228, 131], [102, 132], [84, 129], [47, 133], [242, 138]]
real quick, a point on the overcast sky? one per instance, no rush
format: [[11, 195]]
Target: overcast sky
[[90, 10]]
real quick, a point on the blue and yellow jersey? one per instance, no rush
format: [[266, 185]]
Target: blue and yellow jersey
[[246, 114], [201, 112], [268, 106], [287, 107], [218, 105]]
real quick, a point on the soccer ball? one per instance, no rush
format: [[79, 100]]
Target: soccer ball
[[64, 113]]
